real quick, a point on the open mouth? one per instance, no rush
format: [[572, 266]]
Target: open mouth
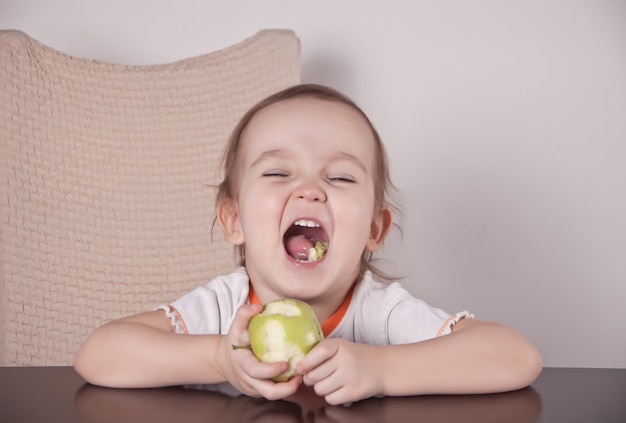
[[306, 241]]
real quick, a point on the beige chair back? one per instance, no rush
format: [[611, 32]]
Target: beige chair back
[[107, 183]]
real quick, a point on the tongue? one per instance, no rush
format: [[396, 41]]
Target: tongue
[[298, 247]]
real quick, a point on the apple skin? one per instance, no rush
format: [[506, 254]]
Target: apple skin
[[285, 331]]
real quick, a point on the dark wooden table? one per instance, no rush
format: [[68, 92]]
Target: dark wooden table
[[58, 394]]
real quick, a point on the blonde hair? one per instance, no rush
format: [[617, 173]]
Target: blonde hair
[[383, 186]]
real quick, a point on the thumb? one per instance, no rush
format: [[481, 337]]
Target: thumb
[[239, 327]]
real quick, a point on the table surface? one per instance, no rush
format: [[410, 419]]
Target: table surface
[[38, 394]]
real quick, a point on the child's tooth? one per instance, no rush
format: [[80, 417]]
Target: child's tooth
[[308, 223]]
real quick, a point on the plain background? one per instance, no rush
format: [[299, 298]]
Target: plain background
[[505, 123]]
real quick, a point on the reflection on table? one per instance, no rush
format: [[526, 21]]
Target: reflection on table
[[98, 405], [59, 394]]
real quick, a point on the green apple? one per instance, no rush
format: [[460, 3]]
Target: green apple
[[286, 330], [318, 251]]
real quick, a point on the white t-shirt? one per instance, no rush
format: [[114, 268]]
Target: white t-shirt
[[378, 313]]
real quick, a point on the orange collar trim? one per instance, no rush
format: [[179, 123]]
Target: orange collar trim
[[330, 324]]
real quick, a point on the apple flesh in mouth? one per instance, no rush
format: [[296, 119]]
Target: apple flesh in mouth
[[306, 241], [285, 331]]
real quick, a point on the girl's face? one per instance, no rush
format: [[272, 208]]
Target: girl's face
[[306, 175]]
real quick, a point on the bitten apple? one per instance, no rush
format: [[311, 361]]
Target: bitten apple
[[286, 330]]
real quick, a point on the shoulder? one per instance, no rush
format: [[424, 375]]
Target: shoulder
[[210, 308], [388, 314], [370, 291], [220, 288], [367, 316]]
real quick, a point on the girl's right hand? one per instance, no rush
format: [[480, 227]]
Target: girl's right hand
[[243, 370]]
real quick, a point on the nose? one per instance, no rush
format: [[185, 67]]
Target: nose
[[311, 192]]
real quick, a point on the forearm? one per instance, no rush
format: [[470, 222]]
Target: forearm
[[480, 358], [130, 354]]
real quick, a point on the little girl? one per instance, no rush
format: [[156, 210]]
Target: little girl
[[303, 167]]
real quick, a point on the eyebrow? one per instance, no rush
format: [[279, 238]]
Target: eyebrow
[[271, 154], [343, 156], [286, 154]]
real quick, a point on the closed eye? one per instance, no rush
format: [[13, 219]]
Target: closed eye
[[276, 173], [341, 178]]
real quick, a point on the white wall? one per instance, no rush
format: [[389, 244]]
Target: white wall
[[505, 123]]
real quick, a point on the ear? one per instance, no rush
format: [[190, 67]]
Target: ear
[[228, 216], [381, 224]]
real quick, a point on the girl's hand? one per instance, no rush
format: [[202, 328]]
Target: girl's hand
[[343, 371], [242, 369]]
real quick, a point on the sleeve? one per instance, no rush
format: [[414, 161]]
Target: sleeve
[[196, 312], [413, 320], [209, 309], [446, 328], [175, 319]]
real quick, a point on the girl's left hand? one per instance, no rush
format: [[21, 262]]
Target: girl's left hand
[[342, 371]]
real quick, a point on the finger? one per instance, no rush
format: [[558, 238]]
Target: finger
[[259, 370], [339, 396], [327, 385], [239, 327], [279, 390], [318, 374], [318, 355]]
